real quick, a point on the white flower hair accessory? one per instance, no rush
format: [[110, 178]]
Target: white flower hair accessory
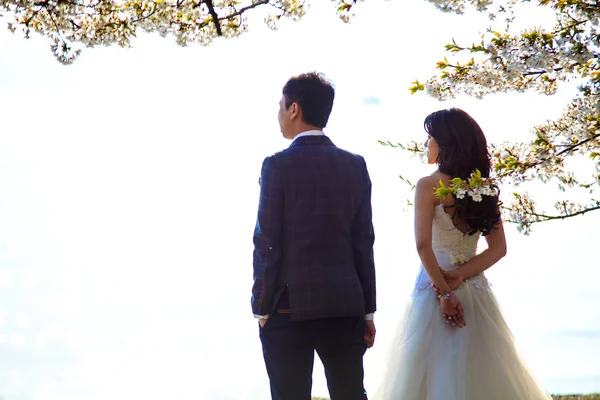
[[475, 187]]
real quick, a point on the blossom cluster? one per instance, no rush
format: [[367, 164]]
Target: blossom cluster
[[537, 59], [71, 25], [475, 187], [458, 6], [74, 24]]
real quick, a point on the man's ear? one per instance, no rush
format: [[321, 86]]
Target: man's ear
[[295, 110]]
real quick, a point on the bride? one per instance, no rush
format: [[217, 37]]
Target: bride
[[454, 343]]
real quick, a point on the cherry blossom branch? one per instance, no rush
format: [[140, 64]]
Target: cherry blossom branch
[[547, 217], [569, 149], [214, 15], [573, 147], [104, 22], [244, 9]]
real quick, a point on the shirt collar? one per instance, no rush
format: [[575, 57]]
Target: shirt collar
[[309, 133]]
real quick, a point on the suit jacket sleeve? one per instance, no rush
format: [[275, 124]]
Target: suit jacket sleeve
[[267, 238], [363, 237]]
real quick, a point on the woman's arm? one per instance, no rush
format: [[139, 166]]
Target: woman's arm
[[425, 202], [496, 250]]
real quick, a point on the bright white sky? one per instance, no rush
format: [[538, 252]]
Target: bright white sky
[[128, 192]]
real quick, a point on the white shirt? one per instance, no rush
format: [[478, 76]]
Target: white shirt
[[302, 134], [308, 133]]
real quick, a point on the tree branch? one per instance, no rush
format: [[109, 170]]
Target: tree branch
[[560, 153], [244, 9], [554, 217], [572, 147], [54, 23], [145, 17], [541, 72], [214, 15]]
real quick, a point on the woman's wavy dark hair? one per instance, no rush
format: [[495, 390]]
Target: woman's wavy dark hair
[[463, 149]]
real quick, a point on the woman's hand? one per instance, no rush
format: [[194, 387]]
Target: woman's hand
[[452, 311], [453, 279]]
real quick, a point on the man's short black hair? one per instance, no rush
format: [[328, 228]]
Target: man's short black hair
[[314, 93]]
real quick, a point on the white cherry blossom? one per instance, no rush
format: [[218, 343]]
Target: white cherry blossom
[[536, 59], [71, 25]]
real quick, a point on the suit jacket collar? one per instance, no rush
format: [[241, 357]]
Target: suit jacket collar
[[321, 140]]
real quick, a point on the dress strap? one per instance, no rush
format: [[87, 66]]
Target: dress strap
[[436, 184]]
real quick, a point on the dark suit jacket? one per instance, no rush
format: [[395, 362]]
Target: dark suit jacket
[[314, 236]]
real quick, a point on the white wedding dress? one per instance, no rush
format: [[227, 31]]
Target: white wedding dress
[[430, 360]]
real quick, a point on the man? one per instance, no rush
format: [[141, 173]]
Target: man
[[314, 274]]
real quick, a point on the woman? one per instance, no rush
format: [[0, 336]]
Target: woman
[[454, 343]]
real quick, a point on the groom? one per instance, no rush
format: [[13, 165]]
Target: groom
[[314, 274]]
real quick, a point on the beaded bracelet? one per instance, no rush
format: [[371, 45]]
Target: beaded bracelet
[[445, 295]]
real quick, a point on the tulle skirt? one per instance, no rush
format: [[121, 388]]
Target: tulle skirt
[[430, 360]]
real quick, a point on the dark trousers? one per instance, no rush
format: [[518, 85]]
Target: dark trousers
[[289, 348]]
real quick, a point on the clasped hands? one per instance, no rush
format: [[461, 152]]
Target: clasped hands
[[452, 311]]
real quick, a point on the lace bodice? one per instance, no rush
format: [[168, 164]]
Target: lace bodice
[[452, 248]]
